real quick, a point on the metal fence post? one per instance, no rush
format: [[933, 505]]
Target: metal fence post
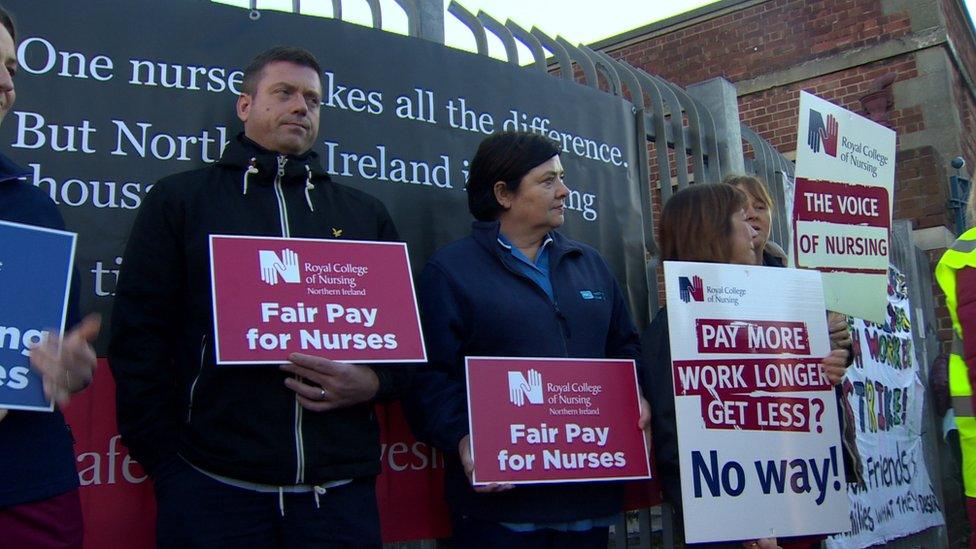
[[431, 14], [720, 97]]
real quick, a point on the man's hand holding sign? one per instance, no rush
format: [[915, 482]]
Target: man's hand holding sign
[[322, 384]]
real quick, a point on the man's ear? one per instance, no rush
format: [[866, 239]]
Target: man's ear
[[244, 102]]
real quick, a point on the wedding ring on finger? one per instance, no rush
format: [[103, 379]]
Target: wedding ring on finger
[[321, 393]]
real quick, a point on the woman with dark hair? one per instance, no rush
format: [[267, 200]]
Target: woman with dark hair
[[704, 223], [516, 287]]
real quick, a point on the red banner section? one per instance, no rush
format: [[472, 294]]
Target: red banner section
[[766, 337], [554, 420], [842, 203], [117, 497], [345, 300], [410, 489]]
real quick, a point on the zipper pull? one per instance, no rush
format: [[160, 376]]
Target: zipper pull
[[281, 165]]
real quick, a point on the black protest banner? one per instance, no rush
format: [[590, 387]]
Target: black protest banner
[[115, 95]]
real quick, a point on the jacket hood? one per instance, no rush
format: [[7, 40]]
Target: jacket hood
[[242, 153]]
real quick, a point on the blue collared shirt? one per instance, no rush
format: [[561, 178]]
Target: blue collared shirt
[[538, 270]]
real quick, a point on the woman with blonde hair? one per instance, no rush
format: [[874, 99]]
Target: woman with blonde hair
[[759, 215]]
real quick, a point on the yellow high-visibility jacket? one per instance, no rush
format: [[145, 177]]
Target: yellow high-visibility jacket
[[962, 254]]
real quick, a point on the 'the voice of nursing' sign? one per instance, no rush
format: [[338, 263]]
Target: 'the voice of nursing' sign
[[340, 299], [35, 276], [536, 420], [758, 431], [845, 173]]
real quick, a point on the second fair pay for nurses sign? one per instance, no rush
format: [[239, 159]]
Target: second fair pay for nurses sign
[[536, 420], [759, 443], [845, 174]]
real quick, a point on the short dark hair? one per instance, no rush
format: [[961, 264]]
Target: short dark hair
[[8, 23], [506, 157], [291, 54], [696, 223]]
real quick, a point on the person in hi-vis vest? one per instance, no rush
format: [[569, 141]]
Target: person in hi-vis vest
[[956, 274]]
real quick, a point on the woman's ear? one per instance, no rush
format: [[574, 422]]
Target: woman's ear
[[502, 194]]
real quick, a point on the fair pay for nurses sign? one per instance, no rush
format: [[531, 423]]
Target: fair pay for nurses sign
[[340, 299], [845, 174], [536, 420]]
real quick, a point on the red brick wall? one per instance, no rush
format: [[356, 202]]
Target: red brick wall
[[776, 35], [764, 38], [962, 41], [920, 184], [772, 113], [780, 34]]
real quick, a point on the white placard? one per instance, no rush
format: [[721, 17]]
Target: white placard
[[758, 432], [841, 214]]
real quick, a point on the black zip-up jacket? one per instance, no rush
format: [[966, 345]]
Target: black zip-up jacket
[[240, 422]]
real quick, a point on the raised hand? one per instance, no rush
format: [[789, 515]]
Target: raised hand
[[289, 270], [516, 393], [534, 391], [829, 136], [816, 126], [67, 365], [689, 289], [269, 267]]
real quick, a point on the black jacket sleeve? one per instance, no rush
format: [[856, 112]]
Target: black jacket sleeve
[[436, 404], [393, 378], [144, 333], [659, 390], [622, 339]]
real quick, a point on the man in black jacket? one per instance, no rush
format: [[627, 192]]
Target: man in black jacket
[[256, 456]]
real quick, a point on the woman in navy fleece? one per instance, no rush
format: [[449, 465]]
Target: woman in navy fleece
[[39, 502], [515, 287]]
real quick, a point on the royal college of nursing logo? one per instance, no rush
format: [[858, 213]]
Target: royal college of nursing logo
[[274, 266], [691, 289], [521, 389], [823, 134]]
